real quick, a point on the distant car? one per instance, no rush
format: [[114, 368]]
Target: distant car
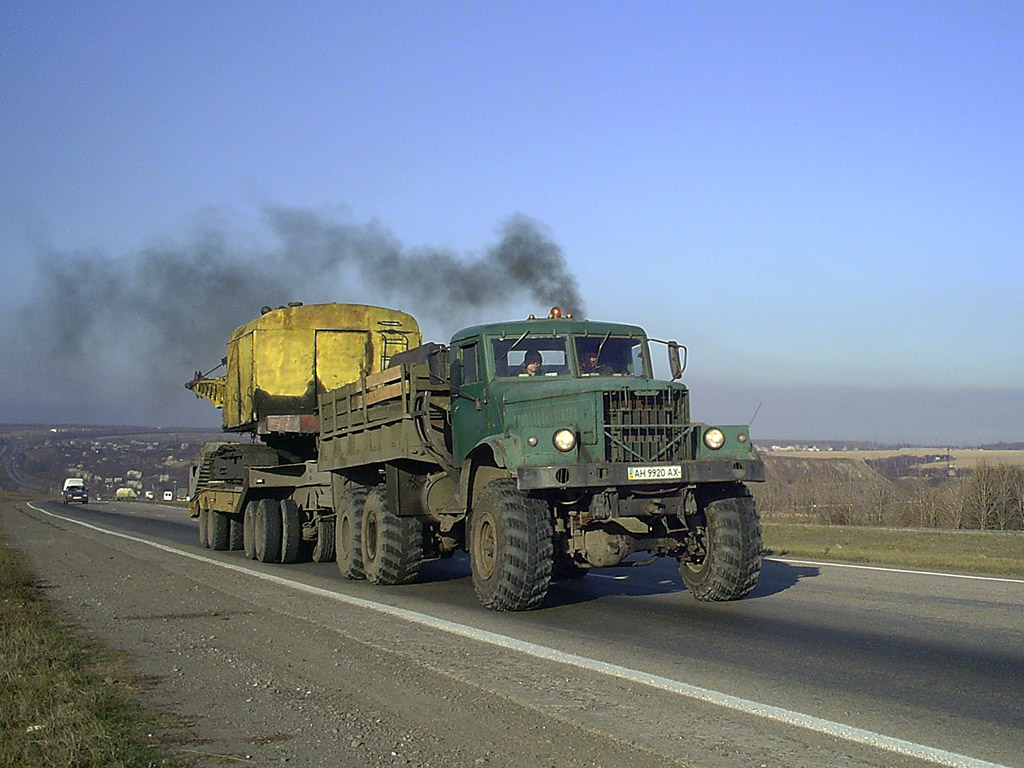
[[76, 493], [168, 495]]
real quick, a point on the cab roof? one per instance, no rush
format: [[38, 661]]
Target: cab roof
[[549, 326]]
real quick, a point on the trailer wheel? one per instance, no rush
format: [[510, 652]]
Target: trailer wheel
[[236, 538], [249, 530], [267, 530], [219, 534], [510, 547], [730, 531], [291, 531], [204, 527], [392, 546], [323, 550], [348, 533]]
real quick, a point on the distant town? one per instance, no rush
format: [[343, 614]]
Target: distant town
[[140, 462]]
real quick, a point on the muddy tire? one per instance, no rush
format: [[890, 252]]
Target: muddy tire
[[249, 530], [236, 538], [392, 546], [204, 527], [510, 547], [731, 534], [219, 534], [348, 533], [291, 531], [323, 550], [267, 530]]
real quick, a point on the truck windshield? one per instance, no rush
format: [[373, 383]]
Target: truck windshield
[[530, 356], [610, 356]]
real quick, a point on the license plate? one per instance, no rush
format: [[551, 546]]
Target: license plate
[[672, 472]]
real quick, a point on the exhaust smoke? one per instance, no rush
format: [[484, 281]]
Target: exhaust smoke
[[109, 340]]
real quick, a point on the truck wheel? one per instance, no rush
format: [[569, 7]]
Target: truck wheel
[[323, 550], [510, 547], [392, 546], [204, 527], [348, 534], [731, 534], [236, 539], [219, 534], [267, 530], [291, 531], [249, 530]]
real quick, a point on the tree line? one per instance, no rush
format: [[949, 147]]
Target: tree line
[[836, 492]]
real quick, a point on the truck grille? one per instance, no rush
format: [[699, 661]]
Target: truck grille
[[645, 426]]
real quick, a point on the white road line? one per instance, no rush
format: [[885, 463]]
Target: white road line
[[833, 564], [767, 711]]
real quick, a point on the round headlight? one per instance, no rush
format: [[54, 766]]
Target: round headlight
[[714, 438], [564, 440]]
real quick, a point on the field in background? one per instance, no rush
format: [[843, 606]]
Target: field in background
[[963, 458]]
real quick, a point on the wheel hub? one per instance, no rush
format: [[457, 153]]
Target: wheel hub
[[487, 548]]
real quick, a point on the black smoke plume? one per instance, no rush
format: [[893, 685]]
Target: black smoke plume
[[110, 340]]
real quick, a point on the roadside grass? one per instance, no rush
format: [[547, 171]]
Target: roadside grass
[[64, 700], [982, 552]]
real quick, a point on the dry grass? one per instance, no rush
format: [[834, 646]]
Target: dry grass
[[982, 552], [64, 701]]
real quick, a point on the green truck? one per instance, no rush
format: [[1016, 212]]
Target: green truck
[[544, 447]]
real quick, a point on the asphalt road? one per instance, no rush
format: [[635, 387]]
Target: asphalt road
[[821, 665]]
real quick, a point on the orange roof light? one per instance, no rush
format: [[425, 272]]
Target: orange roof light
[[555, 313]]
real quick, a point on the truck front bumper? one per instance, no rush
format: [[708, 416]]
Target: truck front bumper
[[597, 476]]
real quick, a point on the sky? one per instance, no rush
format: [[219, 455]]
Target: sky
[[823, 201]]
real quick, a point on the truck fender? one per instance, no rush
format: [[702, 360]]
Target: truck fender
[[483, 464]]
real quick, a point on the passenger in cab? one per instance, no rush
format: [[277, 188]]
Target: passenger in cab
[[532, 364]]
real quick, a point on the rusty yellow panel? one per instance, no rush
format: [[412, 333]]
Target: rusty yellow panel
[[280, 361], [232, 402], [283, 361], [341, 357], [243, 375]]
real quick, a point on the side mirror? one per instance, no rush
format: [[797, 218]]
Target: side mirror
[[676, 366]]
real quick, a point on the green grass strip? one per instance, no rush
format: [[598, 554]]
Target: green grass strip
[[64, 700], [979, 552]]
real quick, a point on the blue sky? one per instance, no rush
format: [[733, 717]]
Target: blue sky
[[823, 201]]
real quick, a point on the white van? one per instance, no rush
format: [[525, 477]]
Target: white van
[[74, 490], [168, 495]]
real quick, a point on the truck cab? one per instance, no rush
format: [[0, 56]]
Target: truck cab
[[589, 415]]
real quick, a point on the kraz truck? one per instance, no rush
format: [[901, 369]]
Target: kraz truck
[[543, 447]]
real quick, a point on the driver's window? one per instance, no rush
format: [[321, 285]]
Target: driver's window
[[470, 368]]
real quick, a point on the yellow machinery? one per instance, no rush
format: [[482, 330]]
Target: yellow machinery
[[279, 363]]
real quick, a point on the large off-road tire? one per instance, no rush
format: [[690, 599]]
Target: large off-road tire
[[510, 547], [392, 546], [219, 534], [323, 549], [236, 539], [267, 530], [204, 527], [731, 533], [249, 530], [291, 531], [348, 532]]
